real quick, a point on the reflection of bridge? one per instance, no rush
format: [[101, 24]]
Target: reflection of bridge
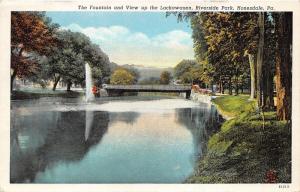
[[119, 89]]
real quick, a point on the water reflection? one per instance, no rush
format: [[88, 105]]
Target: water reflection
[[202, 122], [127, 117], [151, 146], [89, 117], [41, 140]]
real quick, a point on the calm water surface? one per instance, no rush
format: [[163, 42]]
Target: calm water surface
[[135, 141]]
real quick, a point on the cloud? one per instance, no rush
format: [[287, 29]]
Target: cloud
[[124, 46]]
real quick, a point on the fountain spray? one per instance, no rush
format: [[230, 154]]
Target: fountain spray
[[89, 96]]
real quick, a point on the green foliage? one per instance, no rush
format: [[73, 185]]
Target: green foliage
[[223, 40], [218, 147], [68, 60], [21, 95], [190, 71], [165, 77], [182, 70], [135, 73], [122, 76], [97, 73]]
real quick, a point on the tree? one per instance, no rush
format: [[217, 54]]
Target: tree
[[252, 62], [41, 76], [225, 39], [67, 62], [66, 65], [165, 77], [223, 53], [135, 73], [183, 69], [268, 68], [260, 57], [283, 23], [121, 76], [228, 40], [30, 32], [92, 54]]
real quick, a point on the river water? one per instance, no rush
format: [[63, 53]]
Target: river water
[[136, 140]]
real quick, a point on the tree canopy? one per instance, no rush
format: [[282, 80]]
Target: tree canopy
[[122, 76], [236, 50], [183, 70], [30, 32], [165, 77], [42, 52], [67, 62]]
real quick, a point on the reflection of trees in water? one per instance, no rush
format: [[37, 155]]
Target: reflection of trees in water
[[66, 140], [127, 117], [202, 122]]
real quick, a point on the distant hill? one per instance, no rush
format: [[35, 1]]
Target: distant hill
[[145, 72]]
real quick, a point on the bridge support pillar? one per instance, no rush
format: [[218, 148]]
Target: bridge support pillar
[[188, 94]]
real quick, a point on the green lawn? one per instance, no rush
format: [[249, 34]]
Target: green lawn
[[246, 148], [234, 105]]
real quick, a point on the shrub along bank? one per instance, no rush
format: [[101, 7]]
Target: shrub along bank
[[251, 147], [21, 95]]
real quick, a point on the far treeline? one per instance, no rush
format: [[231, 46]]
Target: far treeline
[[243, 50]]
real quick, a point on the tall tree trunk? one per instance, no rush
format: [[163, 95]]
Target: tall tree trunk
[[236, 86], [56, 80], [284, 65], [252, 63], [268, 68], [230, 86], [12, 79], [260, 58], [69, 84], [268, 101], [268, 75], [13, 76], [220, 86]]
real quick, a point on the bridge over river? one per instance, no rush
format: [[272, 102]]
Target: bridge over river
[[120, 89]]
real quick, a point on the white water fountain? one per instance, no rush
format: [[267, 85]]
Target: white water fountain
[[89, 96]]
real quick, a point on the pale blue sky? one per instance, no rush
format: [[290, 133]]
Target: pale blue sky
[[142, 38]]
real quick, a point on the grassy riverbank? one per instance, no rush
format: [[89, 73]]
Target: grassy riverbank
[[246, 149]]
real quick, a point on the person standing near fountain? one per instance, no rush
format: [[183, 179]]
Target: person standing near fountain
[[95, 91]]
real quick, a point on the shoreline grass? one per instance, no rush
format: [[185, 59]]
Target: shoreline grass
[[231, 106], [246, 149]]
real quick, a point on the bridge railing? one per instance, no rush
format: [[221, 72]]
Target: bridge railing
[[148, 87]]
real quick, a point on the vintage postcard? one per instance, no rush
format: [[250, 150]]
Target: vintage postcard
[[149, 96]]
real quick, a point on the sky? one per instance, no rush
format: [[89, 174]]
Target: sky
[[148, 38]]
